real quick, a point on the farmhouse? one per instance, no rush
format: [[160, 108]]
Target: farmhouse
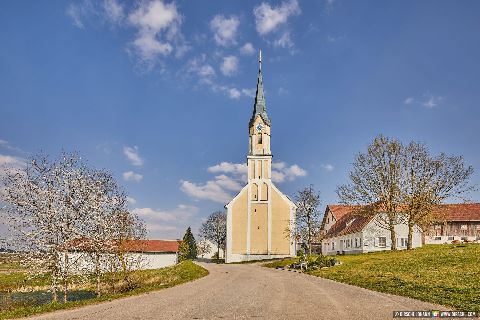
[[259, 217], [138, 254], [345, 231], [455, 222]]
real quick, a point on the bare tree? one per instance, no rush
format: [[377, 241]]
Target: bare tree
[[215, 229], [375, 183], [203, 246], [307, 215], [54, 208], [42, 216], [428, 181]]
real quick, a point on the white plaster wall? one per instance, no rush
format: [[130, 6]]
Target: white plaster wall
[[369, 235], [82, 263]]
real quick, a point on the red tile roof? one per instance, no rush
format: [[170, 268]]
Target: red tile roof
[[339, 210], [152, 245], [158, 246], [458, 212], [348, 221]]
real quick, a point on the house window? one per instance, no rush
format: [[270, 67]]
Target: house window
[[358, 242], [382, 242], [333, 245], [439, 238], [451, 238]]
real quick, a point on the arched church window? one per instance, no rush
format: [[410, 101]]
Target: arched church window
[[259, 135], [254, 191]]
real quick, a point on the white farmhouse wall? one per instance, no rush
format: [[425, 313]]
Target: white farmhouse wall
[[370, 241], [83, 263]]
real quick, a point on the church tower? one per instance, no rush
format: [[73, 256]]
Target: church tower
[[259, 217]]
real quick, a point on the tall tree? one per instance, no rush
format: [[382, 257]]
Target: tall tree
[[307, 215], [375, 183], [215, 229], [428, 181], [188, 249]]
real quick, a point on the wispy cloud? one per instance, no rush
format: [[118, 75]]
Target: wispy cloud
[[247, 49], [132, 176], [427, 100], [133, 155], [131, 200], [327, 167], [158, 28], [224, 29], [229, 66], [268, 19], [167, 223], [114, 11]]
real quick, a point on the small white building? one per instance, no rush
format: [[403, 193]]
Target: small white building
[[138, 254], [344, 231]]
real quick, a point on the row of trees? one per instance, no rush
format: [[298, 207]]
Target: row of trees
[[55, 208], [405, 182]]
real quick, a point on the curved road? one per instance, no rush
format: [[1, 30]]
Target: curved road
[[246, 291]]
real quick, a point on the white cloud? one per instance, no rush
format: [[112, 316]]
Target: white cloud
[[234, 93], [113, 11], [247, 49], [281, 172], [249, 92], [6, 145], [201, 68], [284, 41], [427, 100], [229, 66], [210, 190], [132, 176], [181, 213], [269, 19], [232, 178], [431, 101], [224, 29], [133, 155], [78, 11], [158, 27], [327, 167], [228, 167], [167, 223], [131, 200]]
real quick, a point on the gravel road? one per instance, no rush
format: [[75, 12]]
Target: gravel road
[[246, 291]]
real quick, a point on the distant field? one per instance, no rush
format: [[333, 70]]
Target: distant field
[[448, 275], [13, 305]]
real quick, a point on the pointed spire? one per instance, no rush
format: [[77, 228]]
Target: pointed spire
[[260, 107]]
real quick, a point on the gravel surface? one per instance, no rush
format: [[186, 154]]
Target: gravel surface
[[246, 291]]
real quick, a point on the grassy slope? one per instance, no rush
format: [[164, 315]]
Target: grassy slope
[[443, 274], [149, 280]]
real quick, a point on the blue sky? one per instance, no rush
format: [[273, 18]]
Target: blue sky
[[160, 92]]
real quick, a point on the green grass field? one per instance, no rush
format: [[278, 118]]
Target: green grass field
[[143, 280], [448, 275]]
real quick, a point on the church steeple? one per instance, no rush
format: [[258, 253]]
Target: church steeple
[[260, 107]]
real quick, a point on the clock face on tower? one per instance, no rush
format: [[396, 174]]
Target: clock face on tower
[[259, 127]]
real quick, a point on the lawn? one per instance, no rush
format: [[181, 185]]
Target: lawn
[[448, 275], [142, 280]]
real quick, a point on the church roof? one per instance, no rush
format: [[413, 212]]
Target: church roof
[[260, 107]]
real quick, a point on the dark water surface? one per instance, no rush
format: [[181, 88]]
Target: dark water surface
[[37, 298]]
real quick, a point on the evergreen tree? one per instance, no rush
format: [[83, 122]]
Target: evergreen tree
[[188, 249]]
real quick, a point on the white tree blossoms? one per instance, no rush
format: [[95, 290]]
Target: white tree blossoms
[[56, 208]]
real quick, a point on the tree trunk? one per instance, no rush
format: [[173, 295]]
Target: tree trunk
[[65, 277], [54, 287], [393, 238], [218, 250], [410, 235], [97, 272]]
